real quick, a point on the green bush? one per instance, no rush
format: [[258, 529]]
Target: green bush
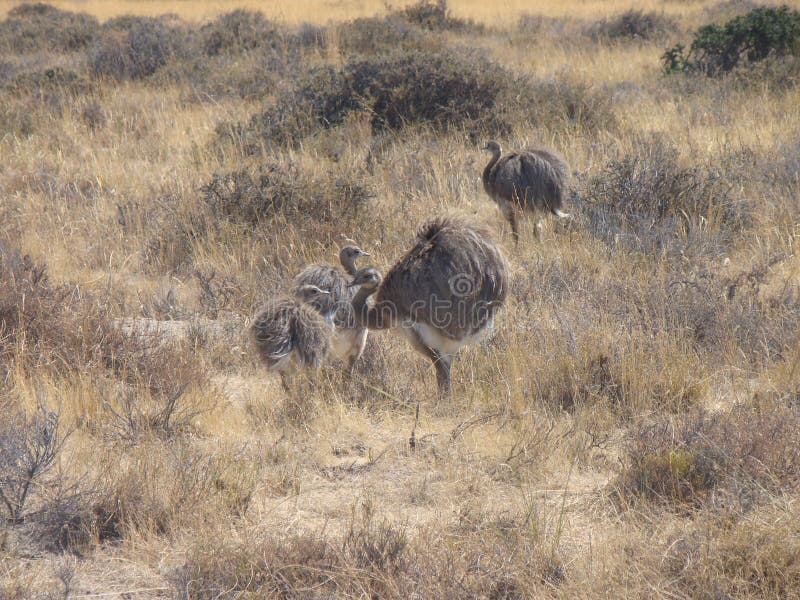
[[749, 38]]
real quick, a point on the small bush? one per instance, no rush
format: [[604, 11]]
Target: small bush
[[439, 90], [648, 200], [371, 36], [434, 16], [50, 85], [134, 47], [29, 450], [683, 460], [239, 31], [558, 104], [632, 24], [283, 191], [32, 27], [718, 49]]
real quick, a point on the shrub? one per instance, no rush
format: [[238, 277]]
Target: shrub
[[283, 190], [29, 449], [32, 27], [558, 104], [63, 330], [749, 38], [376, 35], [134, 47], [239, 31], [632, 24], [48, 85], [648, 200], [434, 16], [679, 461], [439, 90]]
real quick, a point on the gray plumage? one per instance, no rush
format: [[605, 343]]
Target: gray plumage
[[289, 334], [349, 336], [533, 180], [443, 293]]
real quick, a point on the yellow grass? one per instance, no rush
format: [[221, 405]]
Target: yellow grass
[[514, 483]]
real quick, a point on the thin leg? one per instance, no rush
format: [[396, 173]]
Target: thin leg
[[440, 361], [511, 215], [538, 229], [442, 364]]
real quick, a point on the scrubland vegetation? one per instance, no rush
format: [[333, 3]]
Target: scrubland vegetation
[[631, 430]]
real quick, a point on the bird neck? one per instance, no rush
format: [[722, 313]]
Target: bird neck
[[492, 162], [370, 317]]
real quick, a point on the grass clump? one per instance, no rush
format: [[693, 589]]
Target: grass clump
[[748, 38]]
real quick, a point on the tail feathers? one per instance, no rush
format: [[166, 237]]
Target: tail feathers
[[560, 214]]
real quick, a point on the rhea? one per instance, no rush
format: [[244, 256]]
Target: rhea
[[349, 337], [443, 294], [290, 335], [533, 180]]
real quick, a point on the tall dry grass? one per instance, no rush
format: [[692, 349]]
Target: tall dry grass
[[629, 430]]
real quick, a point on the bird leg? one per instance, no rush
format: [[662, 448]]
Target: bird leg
[[538, 230], [511, 215], [442, 364]]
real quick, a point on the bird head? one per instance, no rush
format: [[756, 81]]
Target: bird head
[[493, 147], [309, 293], [351, 254], [368, 278]]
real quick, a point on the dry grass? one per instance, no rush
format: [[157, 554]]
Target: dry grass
[[629, 431]]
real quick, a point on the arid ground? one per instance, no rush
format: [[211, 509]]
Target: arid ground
[[631, 430]]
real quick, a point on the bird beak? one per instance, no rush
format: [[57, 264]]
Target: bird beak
[[364, 253]]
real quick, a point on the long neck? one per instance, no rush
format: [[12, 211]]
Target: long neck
[[372, 317], [487, 171], [349, 264]]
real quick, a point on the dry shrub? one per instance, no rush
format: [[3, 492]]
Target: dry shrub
[[722, 557], [502, 559], [714, 458], [370, 36], [632, 25], [284, 191], [441, 90], [560, 104], [136, 47], [30, 447], [62, 330], [651, 203], [434, 16], [38, 26], [41, 83], [239, 31]]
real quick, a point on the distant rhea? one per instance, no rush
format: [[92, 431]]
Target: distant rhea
[[290, 335], [534, 180], [443, 293], [349, 336]]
